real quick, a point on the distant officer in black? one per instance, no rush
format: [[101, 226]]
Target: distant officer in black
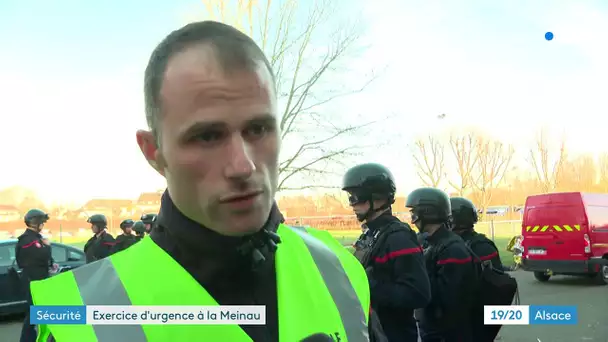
[[450, 267], [140, 230], [389, 251], [464, 218], [101, 244], [33, 256], [149, 221], [126, 239]]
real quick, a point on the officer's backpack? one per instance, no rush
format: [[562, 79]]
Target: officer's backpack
[[496, 287]]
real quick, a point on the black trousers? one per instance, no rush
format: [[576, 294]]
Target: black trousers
[[28, 331]]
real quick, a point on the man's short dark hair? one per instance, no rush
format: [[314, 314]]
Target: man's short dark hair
[[233, 49]]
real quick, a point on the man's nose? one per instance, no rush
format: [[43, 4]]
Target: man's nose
[[240, 164]]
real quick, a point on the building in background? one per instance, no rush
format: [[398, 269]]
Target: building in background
[[9, 213], [111, 208], [148, 202]]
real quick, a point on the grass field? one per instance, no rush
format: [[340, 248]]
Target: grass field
[[348, 237]]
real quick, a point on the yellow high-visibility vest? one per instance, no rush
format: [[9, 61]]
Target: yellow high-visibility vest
[[321, 288]]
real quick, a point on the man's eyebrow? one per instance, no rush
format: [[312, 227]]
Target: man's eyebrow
[[265, 118], [201, 126]]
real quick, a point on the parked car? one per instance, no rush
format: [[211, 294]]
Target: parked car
[[12, 293]]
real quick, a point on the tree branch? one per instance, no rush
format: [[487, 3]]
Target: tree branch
[[301, 70], [429, 161]]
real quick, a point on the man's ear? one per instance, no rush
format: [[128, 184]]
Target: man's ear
[[148, 147]]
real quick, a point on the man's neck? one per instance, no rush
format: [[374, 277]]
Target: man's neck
[[432, 229], [375, 215], [100, 233]]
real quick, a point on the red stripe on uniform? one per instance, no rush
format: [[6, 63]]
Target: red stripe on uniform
[[454, 261], [488, 257], [393, 255], [29, 244], [109, 243]]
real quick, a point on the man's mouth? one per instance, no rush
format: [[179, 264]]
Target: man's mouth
[[241, 197]]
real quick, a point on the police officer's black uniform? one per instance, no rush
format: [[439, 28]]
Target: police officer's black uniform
[[464, 218], [140, 230], [126, 239], [149, 221], [390, 252], [451, 269], [34, 259], [101, 244]]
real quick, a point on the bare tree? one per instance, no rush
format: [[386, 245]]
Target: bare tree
[[315, 137], [578, 174], [493, 162], [464, 150], [603, 171], [546, 164], [429, 160]]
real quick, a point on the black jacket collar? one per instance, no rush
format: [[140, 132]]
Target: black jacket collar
[[439, 235], [196, 246], [381, 221]]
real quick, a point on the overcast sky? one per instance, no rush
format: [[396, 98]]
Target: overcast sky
[[72, 82]]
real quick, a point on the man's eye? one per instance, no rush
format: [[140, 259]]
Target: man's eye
[[257, 131], [209, 137]]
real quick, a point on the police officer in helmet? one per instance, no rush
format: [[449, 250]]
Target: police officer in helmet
[[140, 230], [450, 267], [127, 238], [149, 221], [389, 251], [100, 245], [464, 218], [33, 256]]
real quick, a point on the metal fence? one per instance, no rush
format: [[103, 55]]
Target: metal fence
[[349, 223]]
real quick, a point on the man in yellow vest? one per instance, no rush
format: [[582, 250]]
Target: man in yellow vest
[[215, 136]]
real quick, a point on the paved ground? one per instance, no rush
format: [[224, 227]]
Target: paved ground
[[592, 302]]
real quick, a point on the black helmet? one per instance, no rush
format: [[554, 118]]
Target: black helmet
[[98, 220], [148, 218], [35, 216], [126, 224], [430, 205], [464, 213], [139, 227], [369, 182]]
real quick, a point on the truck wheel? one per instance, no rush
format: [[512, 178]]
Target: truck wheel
[[542, 276], [602, 275]]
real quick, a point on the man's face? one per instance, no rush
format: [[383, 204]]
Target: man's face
[[94, 229], [128, 230], [219, 142], [148, 226], [415, 219], [360, 208], [359, 203]]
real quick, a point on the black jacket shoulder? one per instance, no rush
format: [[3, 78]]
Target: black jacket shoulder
[[485, 249]]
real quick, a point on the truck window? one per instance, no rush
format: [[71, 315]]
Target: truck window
[[598, 216], [555, 215]]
